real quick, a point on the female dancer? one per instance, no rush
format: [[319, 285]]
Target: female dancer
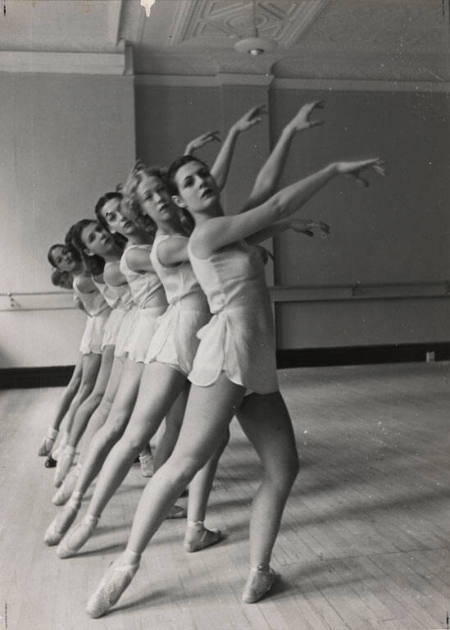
[[67, 260], [238, 337], [173, 347], [117, 293]]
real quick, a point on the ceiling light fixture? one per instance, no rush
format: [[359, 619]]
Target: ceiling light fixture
[[255, 45], [147, 4]]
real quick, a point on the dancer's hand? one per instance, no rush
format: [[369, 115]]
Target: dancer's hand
[[250, 118], [200, 141], [354, 169], [310, 228], [301, 120]]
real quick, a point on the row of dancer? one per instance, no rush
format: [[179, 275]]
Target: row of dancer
[[201, 349]]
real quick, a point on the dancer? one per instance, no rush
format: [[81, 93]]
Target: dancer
[[67, 260], [173, 347], [115, 289], [238, 338]]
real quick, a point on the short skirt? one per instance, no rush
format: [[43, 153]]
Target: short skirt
[[240, 342], [142, 332], [175, 341], [112, 326], [92, 339], [124, 333]]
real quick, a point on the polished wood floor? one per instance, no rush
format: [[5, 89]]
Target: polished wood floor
[[364, 542]]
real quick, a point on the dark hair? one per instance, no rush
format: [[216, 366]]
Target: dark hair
[[101, 203], [174, 168], [94, 264], [65, 245], [58, 278]]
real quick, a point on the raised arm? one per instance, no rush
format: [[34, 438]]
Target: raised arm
[[200, 141], [268, 177], [222, 162], [221, 231]]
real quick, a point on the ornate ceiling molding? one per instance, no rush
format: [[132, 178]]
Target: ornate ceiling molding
[[214, 22]]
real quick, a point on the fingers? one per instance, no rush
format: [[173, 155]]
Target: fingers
[[259, 110]]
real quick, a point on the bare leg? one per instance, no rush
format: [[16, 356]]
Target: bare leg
[[160, 385], [266, 422], [208, 414], [89, 365], [95, 421], [174, 419]]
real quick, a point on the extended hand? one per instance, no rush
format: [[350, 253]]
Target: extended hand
[[251, 118], [302, 120], [354, 169], [310, 227], [205, 138]]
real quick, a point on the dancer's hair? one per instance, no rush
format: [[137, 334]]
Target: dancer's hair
[[60, 278], [65, 245], [94, 264], [176, 165]]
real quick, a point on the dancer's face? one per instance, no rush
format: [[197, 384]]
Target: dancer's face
[[66, 281], [197, 189], [156, 201], [114, 215], [96, 239], [63, 259]]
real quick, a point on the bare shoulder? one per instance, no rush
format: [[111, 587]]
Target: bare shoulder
[[85, 284], [203, 241], [113, 275]]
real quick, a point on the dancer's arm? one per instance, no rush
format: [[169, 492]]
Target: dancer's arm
[[308, 227], [200, 141], [138, 260], [221, 231], [221, 166], [268, 177]]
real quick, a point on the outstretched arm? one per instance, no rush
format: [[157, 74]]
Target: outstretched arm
[[268, 177], [221, 231], [222, 163]]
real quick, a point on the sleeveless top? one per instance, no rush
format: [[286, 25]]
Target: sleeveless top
[[179, 280], [93, 301], [145, 287], [117, 296]]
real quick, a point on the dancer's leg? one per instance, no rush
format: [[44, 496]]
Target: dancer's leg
[[79, 388], [208, 414], [172, 426], [160, 385], [100, 444], [93, 412], [266, 422]]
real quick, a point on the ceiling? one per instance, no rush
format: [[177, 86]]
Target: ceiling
[[371, 39]]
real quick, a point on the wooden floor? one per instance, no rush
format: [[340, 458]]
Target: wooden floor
[[364, 542]]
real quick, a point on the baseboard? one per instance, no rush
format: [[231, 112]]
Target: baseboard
[[362, 355], [19, 378], [15, 378]]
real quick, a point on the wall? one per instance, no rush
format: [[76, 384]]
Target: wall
[[397, 231], [66, 139]]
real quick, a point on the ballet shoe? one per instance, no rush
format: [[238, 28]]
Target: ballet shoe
[[198, 538], [176, 511], [50, 462], [116, 579], [64, 492], [259, 582], [75, 539], [184, 494], [64, 463], [146, 462], [47, 442], [61, 523]]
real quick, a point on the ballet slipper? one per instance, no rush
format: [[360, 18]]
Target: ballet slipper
[[146, 462], [61, 445], [64, 492], [64, 463], [198, 537], [259, 582], [62, 522], [116, 579], [75, 539], [176, 511], [50, 462], [47, 442]]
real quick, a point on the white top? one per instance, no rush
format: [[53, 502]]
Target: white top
[[93, 301], [144, 286]]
